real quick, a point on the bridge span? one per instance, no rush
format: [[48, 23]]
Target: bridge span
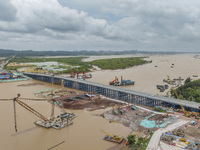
[[114, 92]]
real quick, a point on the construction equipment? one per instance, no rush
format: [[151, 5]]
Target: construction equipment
[[122, 112], [84, 76], [55, 122], [186, 113], [126, 82], [165, 115], [182, 139], [122, 83], [115, 82], [115, 137], [179, 132], [133, 107], [112, 138]]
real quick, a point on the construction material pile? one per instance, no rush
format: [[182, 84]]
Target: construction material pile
[[85, 101]]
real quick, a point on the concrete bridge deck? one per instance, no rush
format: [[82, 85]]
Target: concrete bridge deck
[[115, 92]]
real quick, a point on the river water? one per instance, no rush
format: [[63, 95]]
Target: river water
[[84, 134]]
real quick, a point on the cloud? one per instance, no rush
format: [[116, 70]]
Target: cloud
[[7, 11], [108, 24]]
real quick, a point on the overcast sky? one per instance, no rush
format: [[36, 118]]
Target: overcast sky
[[150, 25]]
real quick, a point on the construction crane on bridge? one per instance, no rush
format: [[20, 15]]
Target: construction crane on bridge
[[186, 113]]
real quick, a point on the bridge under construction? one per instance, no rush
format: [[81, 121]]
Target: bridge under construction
[[118, 93]]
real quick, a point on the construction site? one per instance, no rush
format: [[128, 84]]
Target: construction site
[[12, 76], [145, 122], [76, 99], [184, 137], [142, 121]]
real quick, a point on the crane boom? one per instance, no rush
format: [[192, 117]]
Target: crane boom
[[15, 116], [114, 137], [176, 95], [31, 109]]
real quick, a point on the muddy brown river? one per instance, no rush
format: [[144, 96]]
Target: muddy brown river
[[84, 134]]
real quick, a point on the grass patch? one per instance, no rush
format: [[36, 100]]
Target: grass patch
[[160, 110], [16, 67], [73, 61], [116, 63], [119, 63], [142, 144]]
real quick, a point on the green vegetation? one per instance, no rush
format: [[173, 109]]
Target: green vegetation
[[74, 61], [188, 80], [16, 67], [140, 144], [160, 110], [79, 66], [119, 63], [189, 91], [131, 139]]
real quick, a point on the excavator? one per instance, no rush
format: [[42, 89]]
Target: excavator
[[186, 113], [112, 138], [179, 132], [114, 82], [165, 115]]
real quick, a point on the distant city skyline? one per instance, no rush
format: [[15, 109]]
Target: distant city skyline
[[143, 25]]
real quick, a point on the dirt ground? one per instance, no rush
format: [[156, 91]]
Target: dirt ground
[[89, 104], [81, 101], [133, 118], [192, 132], [30, 84]]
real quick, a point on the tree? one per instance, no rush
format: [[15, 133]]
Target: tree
[[188, 80], [131, 139]]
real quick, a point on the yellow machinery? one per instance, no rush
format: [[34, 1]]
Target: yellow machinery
[[115, 137], [179, 132], [187, 114]]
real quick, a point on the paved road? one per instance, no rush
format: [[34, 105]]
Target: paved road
[[4, 63], [153, 144]]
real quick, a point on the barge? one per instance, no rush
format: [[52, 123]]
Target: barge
[[111, 139], [57, 122]]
